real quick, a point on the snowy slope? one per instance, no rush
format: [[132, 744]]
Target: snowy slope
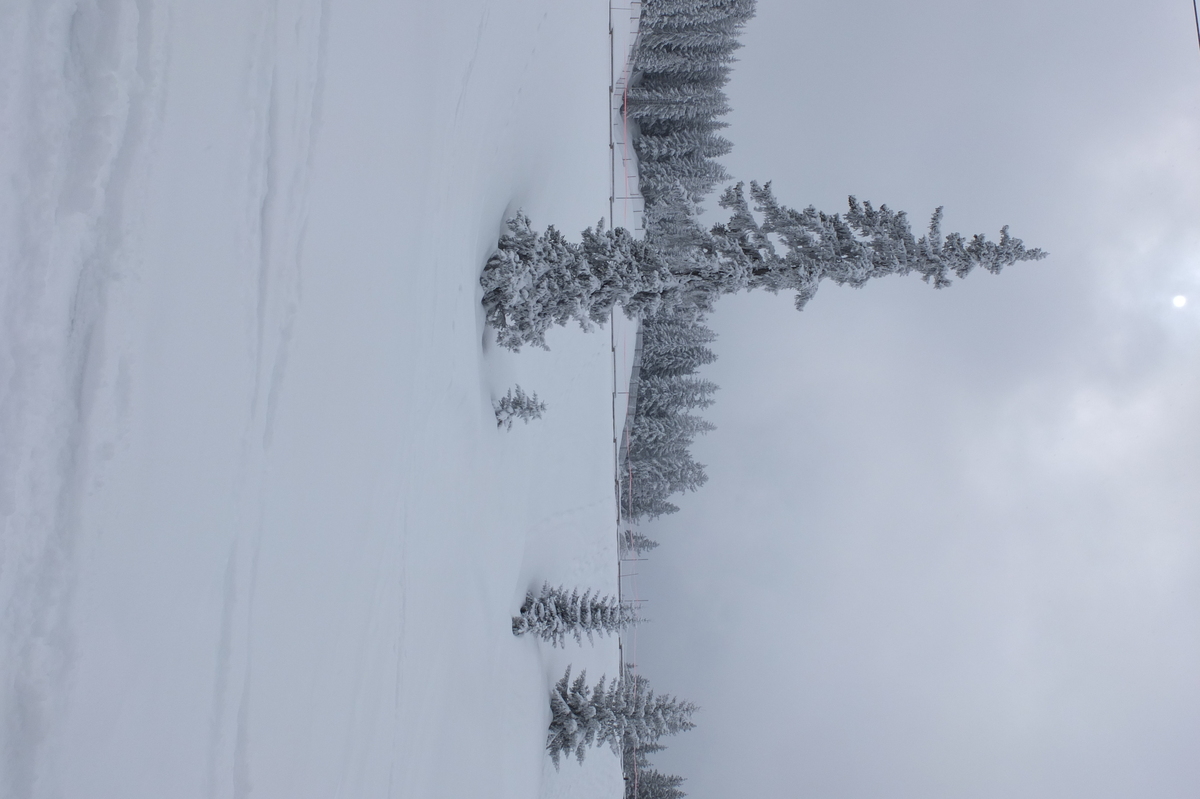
[[261, 534]]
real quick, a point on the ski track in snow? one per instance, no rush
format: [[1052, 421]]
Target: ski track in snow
[[288, 67], [466, 80], [81, 79], [285, 72]]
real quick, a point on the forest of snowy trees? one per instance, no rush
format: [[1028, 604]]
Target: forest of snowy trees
[[659, 463], [682, 62], [537, 280], [674, 276], [670, 280], [683, 59]]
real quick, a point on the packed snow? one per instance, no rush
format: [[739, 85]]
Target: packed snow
[[261, 533]]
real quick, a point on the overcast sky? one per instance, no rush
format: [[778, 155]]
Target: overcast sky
[[949, 546]]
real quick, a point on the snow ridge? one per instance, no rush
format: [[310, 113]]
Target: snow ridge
[[80, 105]]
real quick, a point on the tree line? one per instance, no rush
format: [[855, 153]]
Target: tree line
[[659, 462], [670, 279], [684, 54]]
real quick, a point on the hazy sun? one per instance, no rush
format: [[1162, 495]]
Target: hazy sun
[[1179, 301]]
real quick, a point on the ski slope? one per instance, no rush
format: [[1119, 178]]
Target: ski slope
[[261, 534]]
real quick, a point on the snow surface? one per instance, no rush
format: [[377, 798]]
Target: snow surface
[[261, 534]]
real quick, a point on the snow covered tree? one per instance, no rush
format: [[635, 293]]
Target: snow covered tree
[[671, 226], [649, 783], [695, 175], [678, 360], [697, 42], [638, 757], [665, 127], [680, 144], [534, 281], [516, 404], [636, 543], [665, 433], [678, 102], [849, 250], [642, 780], [553, 614], [619, 713], [674, 328], [659, 462], [576, 716], [526, 283], [673, 230], [712, 14], [659, 395], [657, 473], [662, 67], [682, 61], [647, 499], [705, 32]]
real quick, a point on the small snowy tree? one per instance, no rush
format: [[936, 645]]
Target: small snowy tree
[[642, 780], [636, 543], [619, 713], [649, 783], [516, 404], [553, 614]]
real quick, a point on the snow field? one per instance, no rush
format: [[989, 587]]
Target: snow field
[[262, 536]]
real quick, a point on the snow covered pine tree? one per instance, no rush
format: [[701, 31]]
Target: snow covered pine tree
[[553, 614], [849, 250], [534, 281], [636, 543], [516, 404], [649, 783], [642, 780], [619, 713], [537, 280]]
